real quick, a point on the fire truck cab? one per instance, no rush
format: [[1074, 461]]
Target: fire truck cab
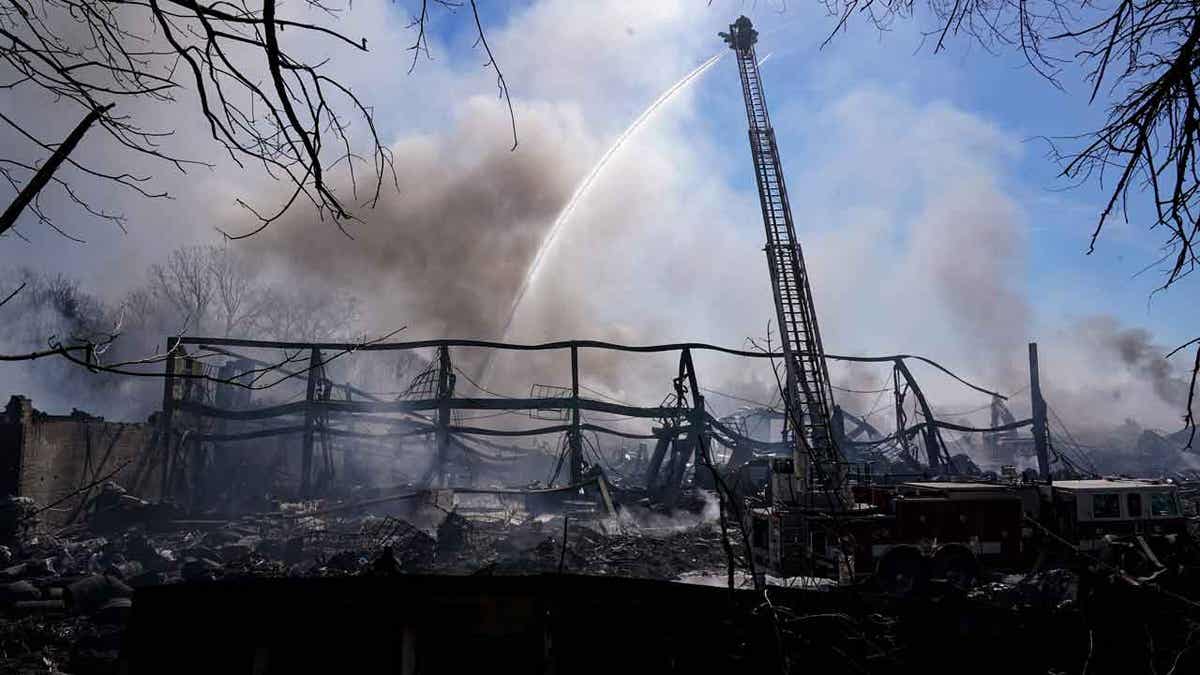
[[1091, 514]]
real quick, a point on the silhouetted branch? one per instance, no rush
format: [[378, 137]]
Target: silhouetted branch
[[1190, 418], [97, 54], [42, 177], [500, 83], [251, 378], [1151, 134], [12, 295], [421, 46]]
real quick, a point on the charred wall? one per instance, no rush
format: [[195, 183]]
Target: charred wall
[[49, 457]]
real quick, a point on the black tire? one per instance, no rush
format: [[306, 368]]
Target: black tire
[[1133, 560], [956, 565], [901, 571]]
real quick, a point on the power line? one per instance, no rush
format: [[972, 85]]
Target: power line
[[738, 398], [859, 391], [460, 371], [964, 412], [1071, 440], [604, 395], [874, 406]]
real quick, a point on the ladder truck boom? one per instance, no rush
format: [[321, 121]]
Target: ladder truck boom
[[807, 392]]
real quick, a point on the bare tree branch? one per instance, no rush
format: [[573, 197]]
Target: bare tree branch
[[1190, 417], [12, 295], [1146, 59], [96, 53], [43, 175], [421, 46], [500, 83]]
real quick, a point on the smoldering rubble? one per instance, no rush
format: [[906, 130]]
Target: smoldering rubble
[[66, 594]]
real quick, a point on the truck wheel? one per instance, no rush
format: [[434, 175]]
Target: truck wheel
[[957, 565], [901, 571], [1133, 561]]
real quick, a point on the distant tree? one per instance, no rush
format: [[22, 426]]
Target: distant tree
[[305, 314], [217, 290], [1143, 59], [237, 295], [182, 294], [185, 283]]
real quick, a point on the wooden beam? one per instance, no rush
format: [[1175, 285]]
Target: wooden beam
[[168, 410], [445, 390], [310, 420], [575, 439]]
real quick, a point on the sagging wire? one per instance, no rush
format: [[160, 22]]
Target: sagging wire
[[562, 456], [475, 384], [859, 391], [595, 449], [760, 404], [1071, 439], [605, 396]]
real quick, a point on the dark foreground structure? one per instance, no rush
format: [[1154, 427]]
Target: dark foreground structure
[[580, 624], [445, 624]]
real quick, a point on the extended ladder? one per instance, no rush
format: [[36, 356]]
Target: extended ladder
[[807, 389]]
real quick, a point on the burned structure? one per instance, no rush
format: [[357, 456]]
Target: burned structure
[[287, 482], [60, 461]]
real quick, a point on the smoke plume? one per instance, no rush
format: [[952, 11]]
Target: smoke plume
[[445, 253]]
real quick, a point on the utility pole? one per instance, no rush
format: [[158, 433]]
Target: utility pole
[[1041, 442]]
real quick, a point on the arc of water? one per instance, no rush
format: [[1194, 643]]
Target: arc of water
[[581, 190]]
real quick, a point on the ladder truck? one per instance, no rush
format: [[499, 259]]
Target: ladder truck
[[798, 532], [811, 525]]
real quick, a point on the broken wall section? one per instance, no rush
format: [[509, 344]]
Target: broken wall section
[[53, 459]]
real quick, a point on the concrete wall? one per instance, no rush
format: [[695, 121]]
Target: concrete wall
[[48, 457]]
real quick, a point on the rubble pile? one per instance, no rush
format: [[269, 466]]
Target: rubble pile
[[65, 595], [627, 552]]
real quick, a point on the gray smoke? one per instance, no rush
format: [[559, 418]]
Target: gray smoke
[[1107, 371], [446, 253], [1140, 355]]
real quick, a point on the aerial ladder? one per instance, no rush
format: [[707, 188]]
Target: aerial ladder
[[818, 465], [800, 529]]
